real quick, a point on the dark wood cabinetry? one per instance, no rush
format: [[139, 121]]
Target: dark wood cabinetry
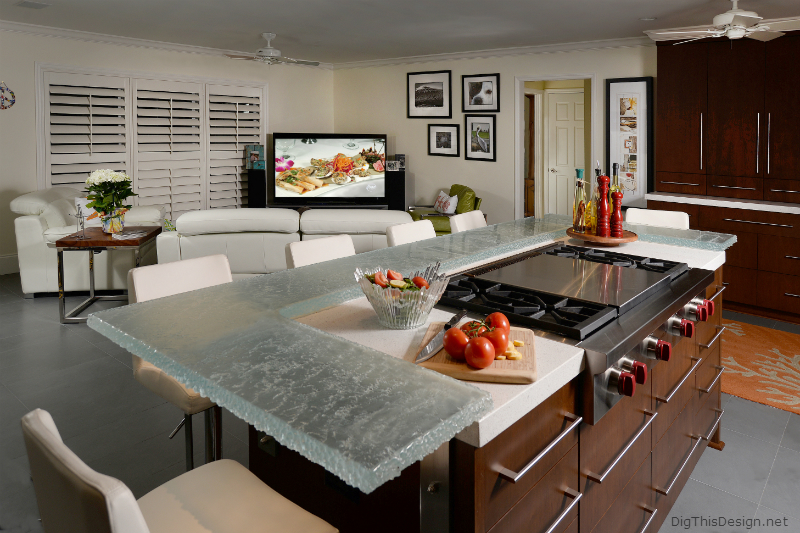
[[782, 105]]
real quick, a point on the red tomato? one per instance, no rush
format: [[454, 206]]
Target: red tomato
[[479, 352], [499, 339], [473, 328], [455, 341], [420, 282], [499, 321], [380, 279], [392, 275]]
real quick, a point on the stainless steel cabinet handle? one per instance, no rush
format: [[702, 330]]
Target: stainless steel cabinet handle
[[732, 187], [599, 478], [576, 497], [791, 257], [680, 183], [701, 141], [697, 361], [719, 375], [720, 290], [513, 477], [714, 427], [784, 190], [769, 127], [792, 295], [720, 329], [665, 492], [758, 138], [759, 223], [652, 512]]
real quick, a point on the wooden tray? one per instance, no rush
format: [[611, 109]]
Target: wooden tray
[[627, 236], [521, 371]]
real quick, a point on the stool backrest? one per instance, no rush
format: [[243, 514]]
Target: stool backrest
[[72, 497], [168, 279], [411, 232], [654, 217], [467, 221], [309, 252]]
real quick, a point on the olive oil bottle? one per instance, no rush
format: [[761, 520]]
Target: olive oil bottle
[[591, 208], [579, 205], [615, 186]]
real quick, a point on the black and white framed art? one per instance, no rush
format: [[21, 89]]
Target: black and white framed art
[[480, 93], [480, 141], [629, 136], [429, 94], [443, 140]]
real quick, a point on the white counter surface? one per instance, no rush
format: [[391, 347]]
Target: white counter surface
[[753, 205]]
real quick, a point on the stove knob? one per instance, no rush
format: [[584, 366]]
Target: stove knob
[[695, 310], [686, 328], [702, 313], [626, 384], [663, 351], [639, 371], [710, 306]]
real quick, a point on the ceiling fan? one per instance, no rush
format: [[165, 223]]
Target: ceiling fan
[[733, 24], [270, 55]]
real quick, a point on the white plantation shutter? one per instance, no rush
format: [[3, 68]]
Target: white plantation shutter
[[85, 126], [169, 155], [234, 120]]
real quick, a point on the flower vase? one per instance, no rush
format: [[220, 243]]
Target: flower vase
[[114, 222]]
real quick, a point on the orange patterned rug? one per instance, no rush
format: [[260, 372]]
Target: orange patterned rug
[[761, 365]]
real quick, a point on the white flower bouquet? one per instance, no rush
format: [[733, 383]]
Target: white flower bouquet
[[108, 191]]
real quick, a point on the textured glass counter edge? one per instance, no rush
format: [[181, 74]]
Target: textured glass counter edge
[[350, 471]]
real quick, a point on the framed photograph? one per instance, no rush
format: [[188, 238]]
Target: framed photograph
[[401, 161], [480, 143], [629, 136], [392, 166], [443, 140], [480, 93], [429, 94]]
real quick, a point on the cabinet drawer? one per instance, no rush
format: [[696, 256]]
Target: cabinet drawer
[[519, 445], [631, 512], [744, 253], [740, 285], [738, 221], [672, 383], [671, 455], [547, 502], [693, 210], [732, 187], [708, 415], [707, 374], [681, 183], [779, 254], [782, 191], [779, 292]]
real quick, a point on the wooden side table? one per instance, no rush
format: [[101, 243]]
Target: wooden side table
[[95, 241]]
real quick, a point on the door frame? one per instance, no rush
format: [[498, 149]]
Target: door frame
[[519, 136], [538, 121], [545, 133]]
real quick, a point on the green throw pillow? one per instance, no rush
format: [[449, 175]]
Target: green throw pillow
[[466, 198]]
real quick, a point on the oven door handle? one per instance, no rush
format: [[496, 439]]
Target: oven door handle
[[697, 361], [576, 497], [601, 477], [513, 477]]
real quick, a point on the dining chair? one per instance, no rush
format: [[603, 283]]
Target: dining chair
[[655, 217], [302, 253], [219, 497], [467, 221], [168, 279], [410, 232]]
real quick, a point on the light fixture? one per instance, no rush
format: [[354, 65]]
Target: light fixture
[[648, 19]]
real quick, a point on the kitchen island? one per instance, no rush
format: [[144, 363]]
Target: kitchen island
[[360, 413]]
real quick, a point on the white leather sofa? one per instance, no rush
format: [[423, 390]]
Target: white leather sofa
[[367, 227], [46, 218], [252, 239]]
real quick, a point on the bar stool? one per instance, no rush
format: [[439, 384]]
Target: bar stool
[[655, 217], [312, 251], [220, 497], [467, 221], [410, 232], [168, 279]]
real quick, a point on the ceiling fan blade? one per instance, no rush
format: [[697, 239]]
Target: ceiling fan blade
[[765, 36], [695, 39], [783, 25], [243, 58], [686, 32], [297, 61], [744, 20]]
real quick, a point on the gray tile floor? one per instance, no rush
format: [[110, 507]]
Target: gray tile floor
[[119, 428]]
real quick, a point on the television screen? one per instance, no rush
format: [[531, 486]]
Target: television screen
[[328, 169]]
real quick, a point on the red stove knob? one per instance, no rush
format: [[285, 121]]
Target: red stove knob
[[663, 351], [702, 313], [686, 328], [626, 384], [639, 371], [710, 306]]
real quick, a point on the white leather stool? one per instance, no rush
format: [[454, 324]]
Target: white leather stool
[[304, 253], [411, 232], [467, 221], [655, 217]]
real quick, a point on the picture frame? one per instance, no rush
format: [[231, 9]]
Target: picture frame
[[480, 93], [392, 166], [629, 136], [485, 146], [429, 94], [443, 140]]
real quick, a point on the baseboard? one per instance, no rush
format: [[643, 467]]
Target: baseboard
[[9, 264]]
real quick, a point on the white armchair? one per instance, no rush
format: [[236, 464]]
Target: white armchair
[[46, 217]]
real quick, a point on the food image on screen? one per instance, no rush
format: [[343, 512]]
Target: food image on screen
[[331, 168]]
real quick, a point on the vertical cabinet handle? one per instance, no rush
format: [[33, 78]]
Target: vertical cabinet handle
[[758, 138], [701, 141], [576, 497], [769, 127]]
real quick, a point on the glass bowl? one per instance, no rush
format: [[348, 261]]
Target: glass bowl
[[398, 309]]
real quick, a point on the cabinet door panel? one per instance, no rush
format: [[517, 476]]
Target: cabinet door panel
[[779, 254], [783, 108], [744, 253], [732, 187], [736, 108], [779, 292], [782, 190], [740, 285], [681, 183]]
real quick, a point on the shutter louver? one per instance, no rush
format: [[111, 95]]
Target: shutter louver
[[234, 120], [169, 155], [86, 127]]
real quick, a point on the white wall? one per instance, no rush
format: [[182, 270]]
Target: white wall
[[300, 99], [373, 99]]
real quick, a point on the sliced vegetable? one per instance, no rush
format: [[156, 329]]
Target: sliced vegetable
[[393, 275], [420, 282], [397, 283], [380, 279], [519, 343]]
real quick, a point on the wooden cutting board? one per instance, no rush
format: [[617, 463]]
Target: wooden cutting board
[[521, 371]]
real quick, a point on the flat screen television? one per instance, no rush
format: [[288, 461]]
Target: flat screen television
[[327, 169]]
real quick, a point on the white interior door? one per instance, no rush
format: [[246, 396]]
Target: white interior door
[[564, 126]]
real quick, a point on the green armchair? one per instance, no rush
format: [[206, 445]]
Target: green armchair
[[467, 201]]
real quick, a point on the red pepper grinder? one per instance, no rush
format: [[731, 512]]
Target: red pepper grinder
[[616, 215], [603, 209]]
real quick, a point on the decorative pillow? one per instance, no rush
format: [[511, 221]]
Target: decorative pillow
[[445, 204]]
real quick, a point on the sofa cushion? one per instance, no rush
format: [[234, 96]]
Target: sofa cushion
[[34, 203], [466, 198], [440, 223], [267, 220], [350, 221]]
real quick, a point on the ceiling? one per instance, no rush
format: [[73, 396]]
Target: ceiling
[[342, 31]]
